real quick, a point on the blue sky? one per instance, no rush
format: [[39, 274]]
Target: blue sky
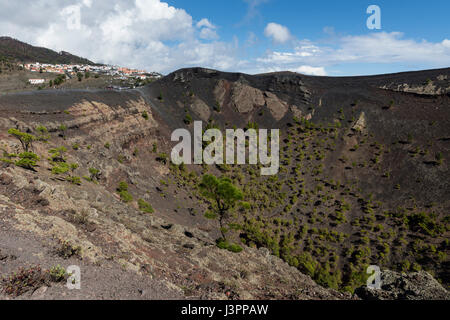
[[254, 36], [417, 20]]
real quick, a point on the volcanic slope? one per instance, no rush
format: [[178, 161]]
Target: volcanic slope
[[364, 180]]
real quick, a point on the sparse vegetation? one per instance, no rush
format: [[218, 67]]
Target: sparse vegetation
[[27, 160], [145, 206], [122, 190], [25, 139]]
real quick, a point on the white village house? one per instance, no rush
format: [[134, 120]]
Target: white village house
[[36, 81]]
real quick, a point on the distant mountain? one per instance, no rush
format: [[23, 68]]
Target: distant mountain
[[19, 51]]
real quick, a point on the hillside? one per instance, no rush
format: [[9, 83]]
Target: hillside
[[16, 50], [363, 181]]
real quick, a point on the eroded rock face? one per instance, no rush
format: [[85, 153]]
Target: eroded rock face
[[246, 98], [201, 109], [428, 89], [296, 112], [413, 286], [360, 125], [277, 107]]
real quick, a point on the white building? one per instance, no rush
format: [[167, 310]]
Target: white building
[[36, 81]]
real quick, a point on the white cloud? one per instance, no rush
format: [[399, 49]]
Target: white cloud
[[315, 71], [278, 33], [252, 10], [446, 43], [208, 30], [208, 34], [376, 48], [304, 69], [205, 23], [389, 48], [148, 34]]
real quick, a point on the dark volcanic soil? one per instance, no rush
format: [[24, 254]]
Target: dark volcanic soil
[[363, 180]]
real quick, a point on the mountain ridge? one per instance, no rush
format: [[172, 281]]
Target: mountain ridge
[[20, 51]]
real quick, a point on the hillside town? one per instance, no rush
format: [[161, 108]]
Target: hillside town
[[72, 70]]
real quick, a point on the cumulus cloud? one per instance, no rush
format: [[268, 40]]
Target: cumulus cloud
[[205, 23], [278, 33], [303, 69], [207, 30], [316, 71], [147, 34], [378, 48]]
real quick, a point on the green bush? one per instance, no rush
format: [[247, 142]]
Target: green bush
[[234, 248], [95, 173], [123, 186], [60, 168], [122, 190], [27, 160], [25, 139], [74, 180], [43, 131], [188, 119], [210, 215], [125, 196], [57, 273], [145, 206], [223, 244], [163, 158], [57, 154]]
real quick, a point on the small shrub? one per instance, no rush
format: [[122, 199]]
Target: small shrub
[[27, 160], [57, 154], [122, 190], [66, 250], [210, 215], [223, 244], [57, 273], [60, 168], [187, 119], [95, 174], [145, 206], [24, 280], [74, 180], [162, 157], [234, 248], [63, 129], [25, 139], [43, 131]]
